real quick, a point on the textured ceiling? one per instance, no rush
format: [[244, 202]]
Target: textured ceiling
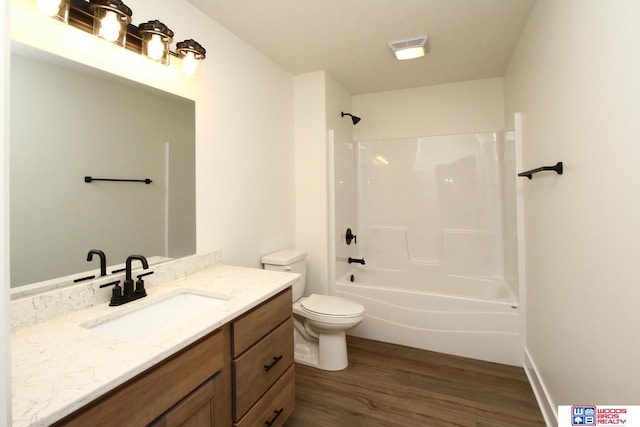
[[469, 39]]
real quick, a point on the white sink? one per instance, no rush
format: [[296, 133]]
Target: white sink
[[152, 320]]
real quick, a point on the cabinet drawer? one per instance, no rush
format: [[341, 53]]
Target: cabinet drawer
[[153, 391], [261, 320], [275, 406], [260, 366]]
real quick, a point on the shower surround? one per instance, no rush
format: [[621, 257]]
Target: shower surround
[[429, 216]]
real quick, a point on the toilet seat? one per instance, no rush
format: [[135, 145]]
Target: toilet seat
[[330, 306]]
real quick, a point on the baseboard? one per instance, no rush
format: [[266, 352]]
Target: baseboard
[[547, 407]]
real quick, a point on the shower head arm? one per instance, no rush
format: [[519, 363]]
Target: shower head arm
[[354, 119]]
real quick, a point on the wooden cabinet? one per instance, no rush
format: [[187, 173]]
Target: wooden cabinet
[[147, 396], [262, 365]]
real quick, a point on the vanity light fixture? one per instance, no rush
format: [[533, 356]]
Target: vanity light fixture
[[156, 38], [58, 9], [110, 20], [191, 52], [410, 48]]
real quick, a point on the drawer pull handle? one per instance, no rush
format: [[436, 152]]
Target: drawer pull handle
[[275, 360], [275, 417]]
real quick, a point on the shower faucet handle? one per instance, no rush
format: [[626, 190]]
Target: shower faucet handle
[[350, 236]]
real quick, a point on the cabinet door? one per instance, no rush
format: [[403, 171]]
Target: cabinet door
[[197, 409]]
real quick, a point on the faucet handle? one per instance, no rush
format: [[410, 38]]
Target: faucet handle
[[148, 273], [116, 294], [140, 283], [349, 236], [115, 282]]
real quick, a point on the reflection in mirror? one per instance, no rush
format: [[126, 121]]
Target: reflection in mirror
[[69, 121]]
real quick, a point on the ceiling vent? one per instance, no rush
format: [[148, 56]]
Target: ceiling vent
[[410, 48]]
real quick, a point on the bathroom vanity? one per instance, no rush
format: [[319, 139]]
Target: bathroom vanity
[[232, 365]]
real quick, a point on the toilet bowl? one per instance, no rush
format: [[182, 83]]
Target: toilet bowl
[[324, 320], [320, 321]]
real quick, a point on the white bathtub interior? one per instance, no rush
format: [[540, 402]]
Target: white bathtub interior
[[433, 218]]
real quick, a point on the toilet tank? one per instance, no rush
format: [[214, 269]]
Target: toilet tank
[[289, 260]]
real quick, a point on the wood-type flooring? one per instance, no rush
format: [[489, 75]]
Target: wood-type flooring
[[392, 385]]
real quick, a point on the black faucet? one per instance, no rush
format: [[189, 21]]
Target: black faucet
[[103, 260], [359, 261], [128, 293], [128, 281]]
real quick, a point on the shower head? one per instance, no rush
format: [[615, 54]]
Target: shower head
[[354, 119]]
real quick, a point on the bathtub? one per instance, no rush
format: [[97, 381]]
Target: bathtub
[[464, 316]]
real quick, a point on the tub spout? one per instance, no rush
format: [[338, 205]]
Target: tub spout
[[359, 261]]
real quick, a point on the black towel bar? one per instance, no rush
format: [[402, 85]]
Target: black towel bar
[[557, 168], [90, 179]]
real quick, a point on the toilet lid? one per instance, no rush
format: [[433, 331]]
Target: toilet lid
[[329, 305]]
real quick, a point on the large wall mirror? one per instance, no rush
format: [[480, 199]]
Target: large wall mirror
[[69, 121]]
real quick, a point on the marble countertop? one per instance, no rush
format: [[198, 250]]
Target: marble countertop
[[58, 365]]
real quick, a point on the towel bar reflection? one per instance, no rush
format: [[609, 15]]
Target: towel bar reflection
[[557, 168], [89, 179]]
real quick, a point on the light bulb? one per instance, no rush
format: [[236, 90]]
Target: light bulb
[[110, 27], [49, 7], [155, 47], [410, 53], [189, 63]]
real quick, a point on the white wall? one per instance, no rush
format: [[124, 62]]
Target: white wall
[[311, 177], [244, 140], [5, 347], [574, 77], [319, 99], [338, 100], [455, 108]]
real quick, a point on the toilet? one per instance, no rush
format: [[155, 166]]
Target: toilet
[[320, 321]]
